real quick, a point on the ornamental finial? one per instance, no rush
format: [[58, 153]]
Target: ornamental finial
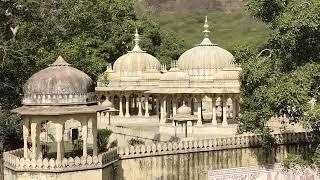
[[206, 28], [136, 37]]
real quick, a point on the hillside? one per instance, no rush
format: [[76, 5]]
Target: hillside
[[228, 29]]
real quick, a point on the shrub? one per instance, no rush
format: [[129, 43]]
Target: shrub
[[103, 139], [135, 141]]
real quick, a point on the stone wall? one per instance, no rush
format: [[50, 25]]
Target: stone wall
[[193, 159], [171, 160]]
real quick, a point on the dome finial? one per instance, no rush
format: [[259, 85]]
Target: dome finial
[[206, 28], [60, 62], [136, 42], [136, 37]]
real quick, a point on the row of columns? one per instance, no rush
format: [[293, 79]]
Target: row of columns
[[33, 127], [197, 102], [137, 102], [164, 105]]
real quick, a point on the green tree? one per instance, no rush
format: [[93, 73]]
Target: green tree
[[86, 33], [284, 82]]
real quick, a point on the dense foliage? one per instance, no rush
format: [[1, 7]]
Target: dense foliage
[[284, 82], [87, 33], [103, 139]]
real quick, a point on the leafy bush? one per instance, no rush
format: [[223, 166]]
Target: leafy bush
[[77, 147], [10, 131], [135, 141], [103, 139]]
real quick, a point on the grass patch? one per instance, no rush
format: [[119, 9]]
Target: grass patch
[[228, 29]]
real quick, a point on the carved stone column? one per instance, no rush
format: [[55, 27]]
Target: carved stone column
[[163, 111], [174, 106], [146, 101], [120, 106], [139, 105], [34, 138], [94, 135], [84, 134], [224, 111], [199, 113], [127, 105], [25, 137], [214, 113], [59, 140]]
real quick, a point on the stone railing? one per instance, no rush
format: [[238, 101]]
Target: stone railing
[[80, 98], [14, 160], [223, 143]]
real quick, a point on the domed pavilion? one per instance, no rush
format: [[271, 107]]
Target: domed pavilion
[[53, 96], [205, 77]]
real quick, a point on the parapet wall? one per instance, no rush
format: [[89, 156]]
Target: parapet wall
[[171, 160], [15, 161], [216, 144]]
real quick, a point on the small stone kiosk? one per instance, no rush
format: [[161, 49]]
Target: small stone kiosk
[[55, 95]]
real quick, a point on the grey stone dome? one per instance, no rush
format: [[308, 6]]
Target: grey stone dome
[[59, 84]]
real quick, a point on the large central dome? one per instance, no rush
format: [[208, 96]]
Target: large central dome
[[206, 58]]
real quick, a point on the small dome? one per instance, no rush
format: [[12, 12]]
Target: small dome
[[59, 84], [184, 110], [136, 61], [205, 58]]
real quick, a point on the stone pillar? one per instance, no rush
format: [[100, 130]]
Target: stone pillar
[[94, 135], [34, 139], [224, 111], [214, 113], [163, 111], [127, 106], [25, 137], [174, 106], [146, 101], [157, 106], [59, 140], [139, 106], [39, 149], [120, 106], [199, 113], [84, 134]]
